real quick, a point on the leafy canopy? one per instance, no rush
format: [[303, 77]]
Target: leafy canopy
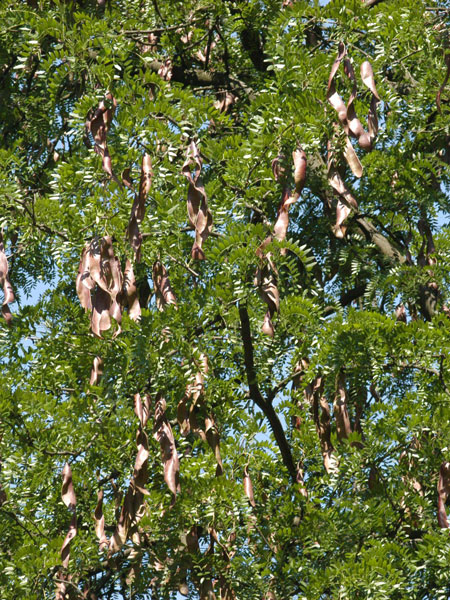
[[236, 369]]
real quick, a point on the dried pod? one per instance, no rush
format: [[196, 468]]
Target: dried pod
[[99, 125], [248, 487], [199, 215], [300, 163], [8, 294], [320, 409], [163, 290], [278, 169], [162, 432], [126, 178], [288, 198], [187, 418], [347, 114], [354, 126], [352, 158], [443, 488], [84, 282], [183, 413], [133, 504], [282, 223], [332, 96], [100, 522], [96, 371], [369, 80], [142, 408], [100, 267], [100, 318], [70, 500], [108, 112], [145, 184], [138, 209], [340, 409], [130, 292], [346, 202], [266, 282]]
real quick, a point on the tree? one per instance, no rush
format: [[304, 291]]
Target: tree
[[247, 398]]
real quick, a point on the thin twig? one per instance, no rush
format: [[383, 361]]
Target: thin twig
[[13, 516], [183, 264], [156, 7], [264, 150], [39, 226], [73, 585], [158, 29], [281, 385], [396, 62]]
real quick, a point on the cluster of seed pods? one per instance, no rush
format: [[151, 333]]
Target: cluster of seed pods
[[98, 124], [353, 128], [69, 498], [199, 215], [102, 287], [266, 274]]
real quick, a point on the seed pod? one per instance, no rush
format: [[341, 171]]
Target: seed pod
[[131, 511], [8, 294], [199, 215], [70, 500], [443, 488], [164, 293], [130, 292], [347, 114], [288, 198], [340, 409], [248, 487], [162, 432]]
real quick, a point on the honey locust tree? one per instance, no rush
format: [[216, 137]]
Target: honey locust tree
[[225, 262]]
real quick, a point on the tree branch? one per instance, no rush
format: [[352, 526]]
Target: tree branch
[[346, 298], [39, 226], [200, 78], [383, 244], [257, 397]]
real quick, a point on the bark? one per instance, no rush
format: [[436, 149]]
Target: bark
[[259, 400], [200, 78]]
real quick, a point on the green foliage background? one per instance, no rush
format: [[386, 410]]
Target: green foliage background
[[364, 531]]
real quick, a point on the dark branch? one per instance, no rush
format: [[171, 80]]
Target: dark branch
[[202, 79], [356, 292], [383, 244], [346, 298], [257, 397]]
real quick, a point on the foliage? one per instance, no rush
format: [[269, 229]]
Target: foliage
[[243, 485]]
